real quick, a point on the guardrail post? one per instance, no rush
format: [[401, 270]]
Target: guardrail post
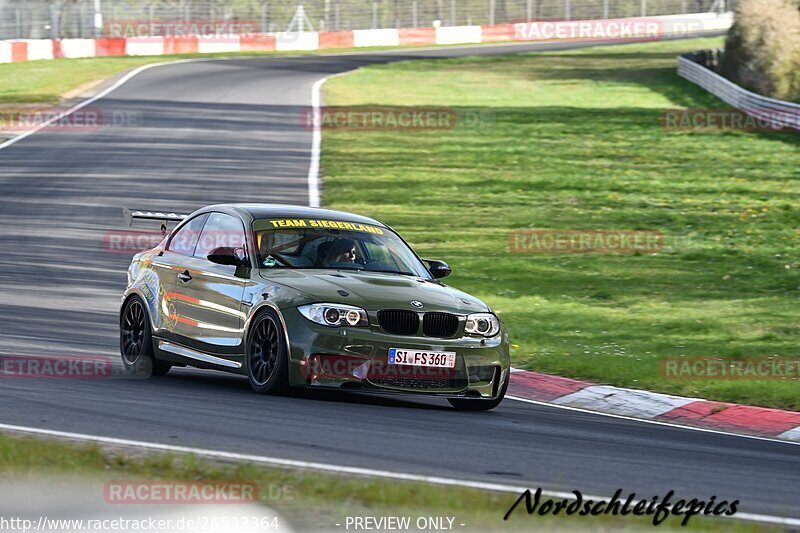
[[568, 9], [81, 19], [605, 9], [491, 12], [529, 10], [414, 20], [54, 19], [374, 15], [644, 8], [18, 22], [97, 19], [453, 13]]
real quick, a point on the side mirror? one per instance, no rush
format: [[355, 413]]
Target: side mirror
[[228, 256], [438, 269]]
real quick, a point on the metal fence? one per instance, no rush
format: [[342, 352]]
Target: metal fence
[[697, 68], [35, 19]]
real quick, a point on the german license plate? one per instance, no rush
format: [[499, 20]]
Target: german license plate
[[399, 356]]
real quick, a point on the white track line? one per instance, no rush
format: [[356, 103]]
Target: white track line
[[351, 470], [119, 83], [316, 98], [314, 196], [650, 421]]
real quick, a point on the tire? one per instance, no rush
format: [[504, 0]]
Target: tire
[[266, 355], [461, 404], [136, 342]]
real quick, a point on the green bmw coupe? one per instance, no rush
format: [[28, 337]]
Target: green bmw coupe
[[295, 296]]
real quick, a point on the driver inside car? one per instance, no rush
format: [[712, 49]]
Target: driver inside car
[[341, 251]]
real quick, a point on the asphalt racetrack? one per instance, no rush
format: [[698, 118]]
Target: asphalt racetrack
[[230, 131]]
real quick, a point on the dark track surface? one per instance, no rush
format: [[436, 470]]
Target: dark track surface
[[229, 131]]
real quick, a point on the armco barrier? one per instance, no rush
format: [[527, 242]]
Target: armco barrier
[[460, 35], [144, 46], [39, 49], [336, 39], [786, 114], [294, 41], [417, 36], [5, 52], [362, 38], [215, 46], [27, 50], [109, 47], [74, 48]]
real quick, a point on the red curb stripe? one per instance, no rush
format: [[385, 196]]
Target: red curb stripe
[[257, 43], [544, 387], [181, 45], [19, 51], [497, 33], [110, 47], [417, 36], [58, 52], [335, 39], [695, 411], [760, 420]]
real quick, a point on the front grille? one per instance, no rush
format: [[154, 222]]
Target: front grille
[[439, 324], [416, 384], [399, 322], [414, 378]]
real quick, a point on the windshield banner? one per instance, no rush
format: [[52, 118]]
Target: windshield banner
[[291, 223]]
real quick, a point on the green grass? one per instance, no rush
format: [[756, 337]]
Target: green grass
[[45, 82], [576, 143], [308, 500]]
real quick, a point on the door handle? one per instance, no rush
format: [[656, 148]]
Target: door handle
[[185, 276]]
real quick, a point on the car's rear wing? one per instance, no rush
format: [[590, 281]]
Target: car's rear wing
[[130, 215]]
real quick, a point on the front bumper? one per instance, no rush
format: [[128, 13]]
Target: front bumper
[[356, 358]]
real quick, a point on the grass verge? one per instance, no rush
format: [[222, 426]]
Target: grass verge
[[308, 500], [573, 140]]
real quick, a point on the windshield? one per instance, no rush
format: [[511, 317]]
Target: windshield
[[312, 243]]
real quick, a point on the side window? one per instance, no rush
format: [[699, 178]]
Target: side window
[[221, 230], [185, 240]]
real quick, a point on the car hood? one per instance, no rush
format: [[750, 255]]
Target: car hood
[[374, 290]]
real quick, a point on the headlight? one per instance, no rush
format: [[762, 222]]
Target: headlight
[[335, 315], [484, 324]]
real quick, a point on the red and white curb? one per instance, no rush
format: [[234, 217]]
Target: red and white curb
[[678, 410], [649, 28]]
